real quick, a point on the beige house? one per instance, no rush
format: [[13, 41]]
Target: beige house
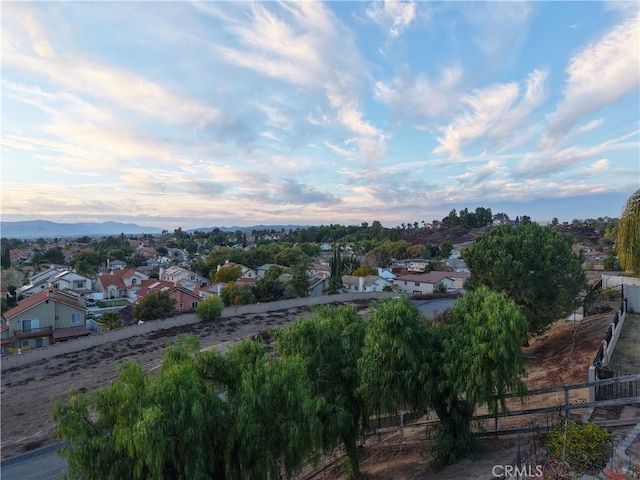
[[183, 277], [120, 284], [42, 319], [426, 283]]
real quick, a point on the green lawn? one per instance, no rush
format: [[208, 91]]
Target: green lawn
[[116, 302]]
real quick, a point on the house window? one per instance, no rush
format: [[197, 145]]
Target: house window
[[134, 281], [417, 284], [30, 325], [194, 305], [405, 282], [57, 318], [79, 284], [181, 305], [76, 318], [56, 286]]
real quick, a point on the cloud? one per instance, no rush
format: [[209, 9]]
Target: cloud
[[484, 108], [498, 29], [419, 99], [394, 16], [308, 49], [601, 74]]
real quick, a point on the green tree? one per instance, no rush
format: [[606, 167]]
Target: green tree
[[110, 320], [535, 266], [4, 306], [445, 248], [269, 288], [335, 278], [628, 234], [290, 256], [153, 306], [473, 359], [274, 410], [364, 270], [5, 254], [300, 276], [210, 308], [234, 295], [173, 425], [228, 273], [330, 345]]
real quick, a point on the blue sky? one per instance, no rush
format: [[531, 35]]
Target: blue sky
[[198, 114]]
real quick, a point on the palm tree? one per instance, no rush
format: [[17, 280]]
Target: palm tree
[[628, 236]]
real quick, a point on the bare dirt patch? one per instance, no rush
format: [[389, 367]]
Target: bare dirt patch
[[28, 393]]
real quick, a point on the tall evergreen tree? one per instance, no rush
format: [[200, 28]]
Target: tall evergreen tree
[[335, 280]]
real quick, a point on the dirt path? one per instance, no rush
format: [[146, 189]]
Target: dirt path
[[28, 393]]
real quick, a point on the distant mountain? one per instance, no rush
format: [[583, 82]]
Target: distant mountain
[[277, 228], [45, 229]]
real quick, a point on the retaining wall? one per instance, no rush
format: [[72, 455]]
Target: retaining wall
[[71, 346]]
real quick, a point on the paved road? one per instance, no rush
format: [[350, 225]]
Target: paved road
[[430, 308], [41, 464]]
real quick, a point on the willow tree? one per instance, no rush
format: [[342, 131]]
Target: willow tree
[[203, 416], [147, 427], [276, 428], [330, 345], [628, 236], [453, 367]]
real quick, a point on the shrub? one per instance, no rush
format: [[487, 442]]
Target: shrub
[[583, 447], [210, 308]]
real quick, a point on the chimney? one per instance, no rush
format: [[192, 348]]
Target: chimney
[[361, 284], [160, 273]]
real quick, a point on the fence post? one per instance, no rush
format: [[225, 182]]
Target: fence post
[[495, 419], [592, 389]]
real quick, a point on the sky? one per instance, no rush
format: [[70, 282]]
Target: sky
[[213, 113]]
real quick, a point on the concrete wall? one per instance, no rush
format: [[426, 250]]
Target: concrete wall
[[76, 345], [608, 347]]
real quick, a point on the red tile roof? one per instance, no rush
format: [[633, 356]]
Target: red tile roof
[[33, 300]]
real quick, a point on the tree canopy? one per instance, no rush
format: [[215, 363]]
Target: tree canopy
[[535, 266], [153, 306], [204, 416], [330, 345], [628, 235], [450, 367]]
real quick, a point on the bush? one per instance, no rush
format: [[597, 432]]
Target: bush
[[210, 308], [583, 447]]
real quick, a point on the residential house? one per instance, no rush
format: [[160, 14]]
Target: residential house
[[39, 281], [183, 277], [370, 283], [116, 265], [318, 285], [386, 274], [120, 284], [70, 280], [186, 300], [427, 283], [42, 319], [208, 290]]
